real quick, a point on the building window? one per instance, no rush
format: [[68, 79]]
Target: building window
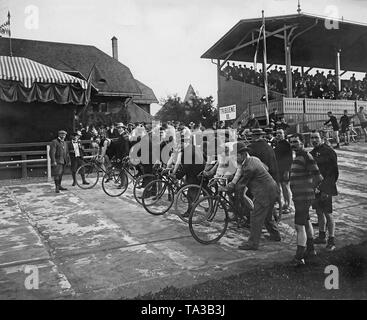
[[95, 107], [103, 107]]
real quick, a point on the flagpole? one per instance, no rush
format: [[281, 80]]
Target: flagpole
[[11, 52], [265, 74]]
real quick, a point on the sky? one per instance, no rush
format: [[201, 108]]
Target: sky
[[161, 41]]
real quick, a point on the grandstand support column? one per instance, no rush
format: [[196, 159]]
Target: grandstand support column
[[288, 63], [218, 79], [337, 70]]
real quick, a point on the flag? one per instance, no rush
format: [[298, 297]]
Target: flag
[[89, 87], [257, 48], [5, 28], [265, 75]]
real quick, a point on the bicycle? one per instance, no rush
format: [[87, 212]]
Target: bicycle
[[140, 182], [158, 195], [209, 217], [92, 171], [117, 178], [183, 201]]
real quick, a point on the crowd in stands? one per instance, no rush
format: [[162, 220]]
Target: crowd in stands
[[316, 86]]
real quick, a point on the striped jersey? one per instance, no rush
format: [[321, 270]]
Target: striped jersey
[[305, 176]]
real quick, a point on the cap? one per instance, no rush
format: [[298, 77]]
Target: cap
[[62, 132]]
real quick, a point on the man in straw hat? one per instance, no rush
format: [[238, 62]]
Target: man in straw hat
[[254, 175]]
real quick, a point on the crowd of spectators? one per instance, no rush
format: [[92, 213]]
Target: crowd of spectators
[[315, 86]]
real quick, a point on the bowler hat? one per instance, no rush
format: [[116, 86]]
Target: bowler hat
[[120, 125], [257, 131], [239, 148]]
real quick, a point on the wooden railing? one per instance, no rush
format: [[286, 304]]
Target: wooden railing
[[44, 156], [305, 110]]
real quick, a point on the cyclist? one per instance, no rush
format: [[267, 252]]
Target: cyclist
[[192, 160], [103, 145], [335, 126], [345, 126]]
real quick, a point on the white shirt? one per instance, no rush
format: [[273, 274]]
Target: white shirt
[[76, 148]]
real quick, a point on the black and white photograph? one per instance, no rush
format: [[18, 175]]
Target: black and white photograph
[[183, 154]]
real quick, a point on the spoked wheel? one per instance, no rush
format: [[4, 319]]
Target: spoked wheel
[[158, 197], [278, 210], [90, 173], [133, 173], [185, 199], [140, 184], [115, 182], [208, 220]]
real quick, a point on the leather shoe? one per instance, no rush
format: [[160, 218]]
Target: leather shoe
[[85, 182], [247, 246], [62, 188], [273, 238]]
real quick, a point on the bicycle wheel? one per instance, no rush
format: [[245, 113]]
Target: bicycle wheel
[[91, 175], [133, 173], [208, 220], [140, 184], [182, 205], [115, 182], [278, 210], [157, 197]]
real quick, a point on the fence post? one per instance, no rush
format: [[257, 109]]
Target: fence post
[[48, 163], [24, 166]]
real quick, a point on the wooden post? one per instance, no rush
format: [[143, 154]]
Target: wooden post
[[287, 54], [337, 70], [48, 163], [24, 166]]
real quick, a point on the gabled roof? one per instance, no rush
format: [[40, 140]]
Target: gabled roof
[[109, 76], [315, 47], [148, 95]]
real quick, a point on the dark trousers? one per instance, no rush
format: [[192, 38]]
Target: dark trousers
[[262, 214], [57, 172], [77, 162]]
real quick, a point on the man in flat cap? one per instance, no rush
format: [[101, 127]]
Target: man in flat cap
[[254, 175], [59, 155]]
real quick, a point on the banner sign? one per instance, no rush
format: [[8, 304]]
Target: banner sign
[[227, 113]]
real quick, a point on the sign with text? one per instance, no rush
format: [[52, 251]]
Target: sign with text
[[227, 113]]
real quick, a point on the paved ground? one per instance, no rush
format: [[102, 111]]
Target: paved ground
[[87, 245]]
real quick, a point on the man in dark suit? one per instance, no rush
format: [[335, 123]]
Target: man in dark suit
[[327, 161], [59, 155], [76, 153], [259, 148]]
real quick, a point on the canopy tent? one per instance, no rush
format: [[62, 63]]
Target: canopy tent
[[315, 41], [25, 80]]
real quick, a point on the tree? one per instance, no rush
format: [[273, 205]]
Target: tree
[[196, 110]]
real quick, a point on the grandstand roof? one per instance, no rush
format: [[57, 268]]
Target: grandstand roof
[[315, 47]]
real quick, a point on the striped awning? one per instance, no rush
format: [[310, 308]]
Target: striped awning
[[29, 72]]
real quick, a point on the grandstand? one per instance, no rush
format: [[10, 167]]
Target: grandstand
[[296, 45]]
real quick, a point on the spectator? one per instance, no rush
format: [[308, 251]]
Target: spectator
[[327, 162], [252, 123], [304, 179]]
